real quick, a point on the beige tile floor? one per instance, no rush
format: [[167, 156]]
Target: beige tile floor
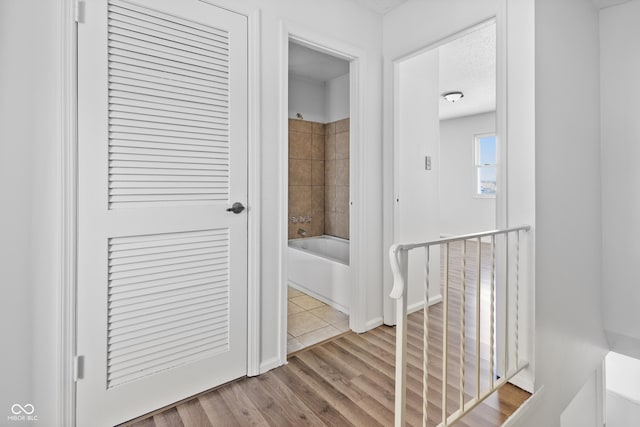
[[311, 321]]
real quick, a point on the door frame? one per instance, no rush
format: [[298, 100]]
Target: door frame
[[392, 168], [357, 60], [68, 370]]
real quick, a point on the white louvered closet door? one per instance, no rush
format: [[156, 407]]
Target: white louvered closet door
[[162, 155]]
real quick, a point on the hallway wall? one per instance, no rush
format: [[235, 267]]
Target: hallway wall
[[619, 94], [461, 211]]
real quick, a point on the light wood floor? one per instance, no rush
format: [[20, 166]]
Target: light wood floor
[[350, 380]]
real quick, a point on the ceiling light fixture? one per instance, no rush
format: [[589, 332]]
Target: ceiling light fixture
[[453, 97]]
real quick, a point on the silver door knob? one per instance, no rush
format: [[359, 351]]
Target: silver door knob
[[236, 208]]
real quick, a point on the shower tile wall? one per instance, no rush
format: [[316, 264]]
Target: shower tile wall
[[306, 176], [336, 179], [319, 177]]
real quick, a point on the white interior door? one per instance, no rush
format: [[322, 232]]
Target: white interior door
[[162, 270]]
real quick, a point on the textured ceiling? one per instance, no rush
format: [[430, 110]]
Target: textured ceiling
[[311, 64], [468, 64], [380, 6]]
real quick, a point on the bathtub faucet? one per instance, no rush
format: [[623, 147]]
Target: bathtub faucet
[[302, 232]]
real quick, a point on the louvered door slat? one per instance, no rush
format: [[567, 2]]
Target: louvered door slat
[[182, 24], [144, 355], [145, 28], [160, 297], [161, 334], [123, 17], [125, 336], [215, 279], [158, 364], [158, 110], [161, 71], [165, 291], [124, 72], [164, 257], [136, 34], [170, 300], [144, 62], [190, 330]]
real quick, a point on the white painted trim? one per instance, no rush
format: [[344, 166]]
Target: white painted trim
[[66, 189], [322, 42], [283, 198], [373, 323], [254, 194], [270, 364], [420, 304]]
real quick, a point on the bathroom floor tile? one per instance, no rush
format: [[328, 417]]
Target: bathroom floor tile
[[292, 293], [303, 323], [342, 326], [318, 335], [293, 308], [307, 302], [329, 314], [311, 321]]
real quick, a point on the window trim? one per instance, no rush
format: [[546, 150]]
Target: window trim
[[477, 166]]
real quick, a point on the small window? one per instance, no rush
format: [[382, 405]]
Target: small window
[[485, 163]]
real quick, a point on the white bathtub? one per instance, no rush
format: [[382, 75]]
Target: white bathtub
[[319, 266]]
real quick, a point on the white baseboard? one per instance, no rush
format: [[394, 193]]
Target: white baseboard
[[420, 304], [524, 380], [373, 323], [270, 364]]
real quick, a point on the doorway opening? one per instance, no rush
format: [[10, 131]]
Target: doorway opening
[[318, 258]]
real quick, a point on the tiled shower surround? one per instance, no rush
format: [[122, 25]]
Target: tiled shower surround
[[319, 178]]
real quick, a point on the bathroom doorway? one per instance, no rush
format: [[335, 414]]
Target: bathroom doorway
[[319, 194]]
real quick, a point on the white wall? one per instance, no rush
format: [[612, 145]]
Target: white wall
[[417, 188], [29, 161], [337, 98], [461, 211], [623, 390], [583, 409], [569, 343], [16, 169], [307, 97], [622, 412], [318, 101], [29, 218], [623, 375], [619, 92]]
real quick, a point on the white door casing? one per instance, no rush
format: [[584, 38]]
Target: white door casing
[[162, 266]]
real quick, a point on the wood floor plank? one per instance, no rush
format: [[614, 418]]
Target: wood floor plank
[[241, 406], [217, 410], [356, 413], [193, 415], [168, 418], [321, 407], [349, 381]]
